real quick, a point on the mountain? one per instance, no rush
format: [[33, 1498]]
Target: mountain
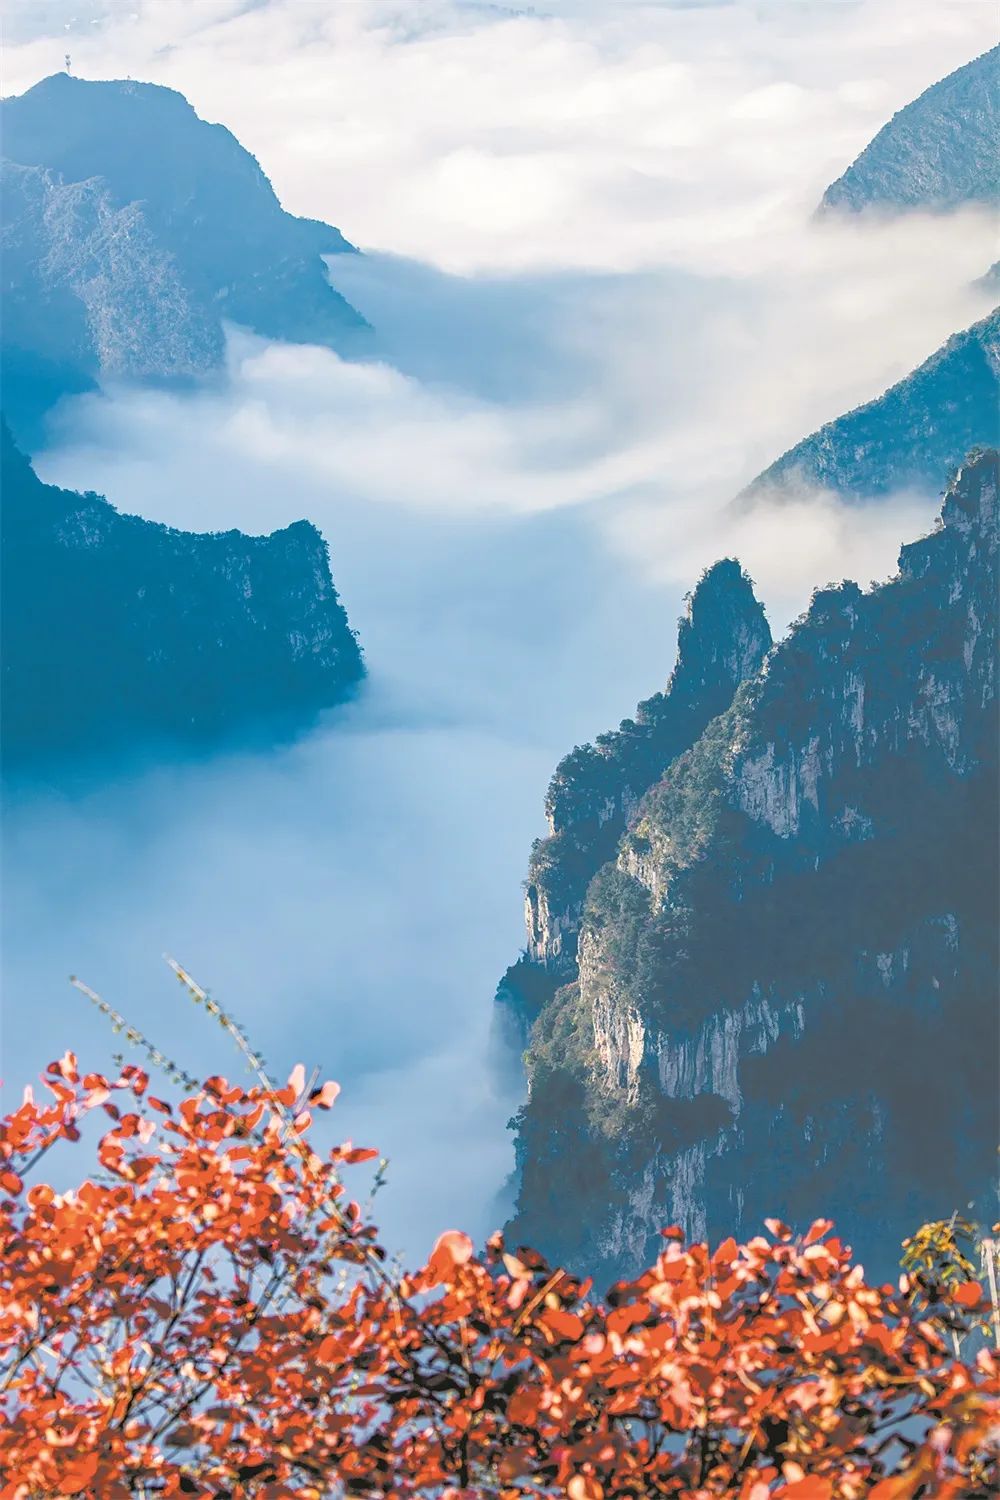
[[937, 153], [785, 993], [131, 229], [722, 640], [118, 632], [919, 430]]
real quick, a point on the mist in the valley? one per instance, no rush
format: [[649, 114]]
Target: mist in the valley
[[354, 898], [517, 489]]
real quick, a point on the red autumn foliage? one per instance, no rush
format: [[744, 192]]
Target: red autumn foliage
[[211, 1316]]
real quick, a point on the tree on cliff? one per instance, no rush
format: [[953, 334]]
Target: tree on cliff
[[209, 1314]]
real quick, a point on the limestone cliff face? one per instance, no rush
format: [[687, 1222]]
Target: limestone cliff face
[[120, 633], [596, 790], [786, 994]]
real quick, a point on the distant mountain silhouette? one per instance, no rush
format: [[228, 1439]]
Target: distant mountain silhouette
[[939, 152], [131, 230], [120, 634], [911, 436]]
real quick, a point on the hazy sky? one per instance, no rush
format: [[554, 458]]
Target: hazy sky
[[601, 308]]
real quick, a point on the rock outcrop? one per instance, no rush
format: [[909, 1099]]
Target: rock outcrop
[[596, 790], [120, 634], [785, 998]]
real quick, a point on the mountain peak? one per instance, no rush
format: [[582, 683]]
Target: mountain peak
[[721, 639], [132, 230], [63, 85], [596, 790]]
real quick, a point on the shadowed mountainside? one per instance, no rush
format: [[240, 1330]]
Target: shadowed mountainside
[[119, 633], [784, 996]]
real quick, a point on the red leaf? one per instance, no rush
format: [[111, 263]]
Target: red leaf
[[807, 1489], [324, 1097], [359, 1153], [451, 1249], [297, 1080], [585, 1487], [564, 1325]]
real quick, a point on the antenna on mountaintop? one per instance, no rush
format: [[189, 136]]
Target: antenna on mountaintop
[[69, 63]]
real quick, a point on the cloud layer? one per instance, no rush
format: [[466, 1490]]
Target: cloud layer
[[574, 133]]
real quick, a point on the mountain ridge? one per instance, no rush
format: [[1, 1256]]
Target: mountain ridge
[[121, 634], [937, 152], [132, 230], [907, 438], [723, 637], [807, 890]]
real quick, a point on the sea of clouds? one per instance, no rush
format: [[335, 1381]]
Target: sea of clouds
[[601, 306]]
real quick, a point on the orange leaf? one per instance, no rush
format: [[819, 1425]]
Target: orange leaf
[[451, 1250], [902, 1487], [585, 1487], [453, 1246], [324, 1097], [297, 1080], [77, 1478], [565, 1325], [817, 1229], [807, 1489]]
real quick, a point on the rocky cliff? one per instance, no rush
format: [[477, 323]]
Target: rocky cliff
[[785, 999], [937, 153], [131, 230], [920, 429], [119, 633], [596, 790]]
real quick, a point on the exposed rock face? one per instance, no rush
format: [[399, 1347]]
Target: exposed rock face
[[596, 790], [131, 230], [119, 633], [938, 153], [88, 283], [786, 998], [919, 430]]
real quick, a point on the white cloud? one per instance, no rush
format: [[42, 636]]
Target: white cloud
[[650, 399], [614, 135]]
